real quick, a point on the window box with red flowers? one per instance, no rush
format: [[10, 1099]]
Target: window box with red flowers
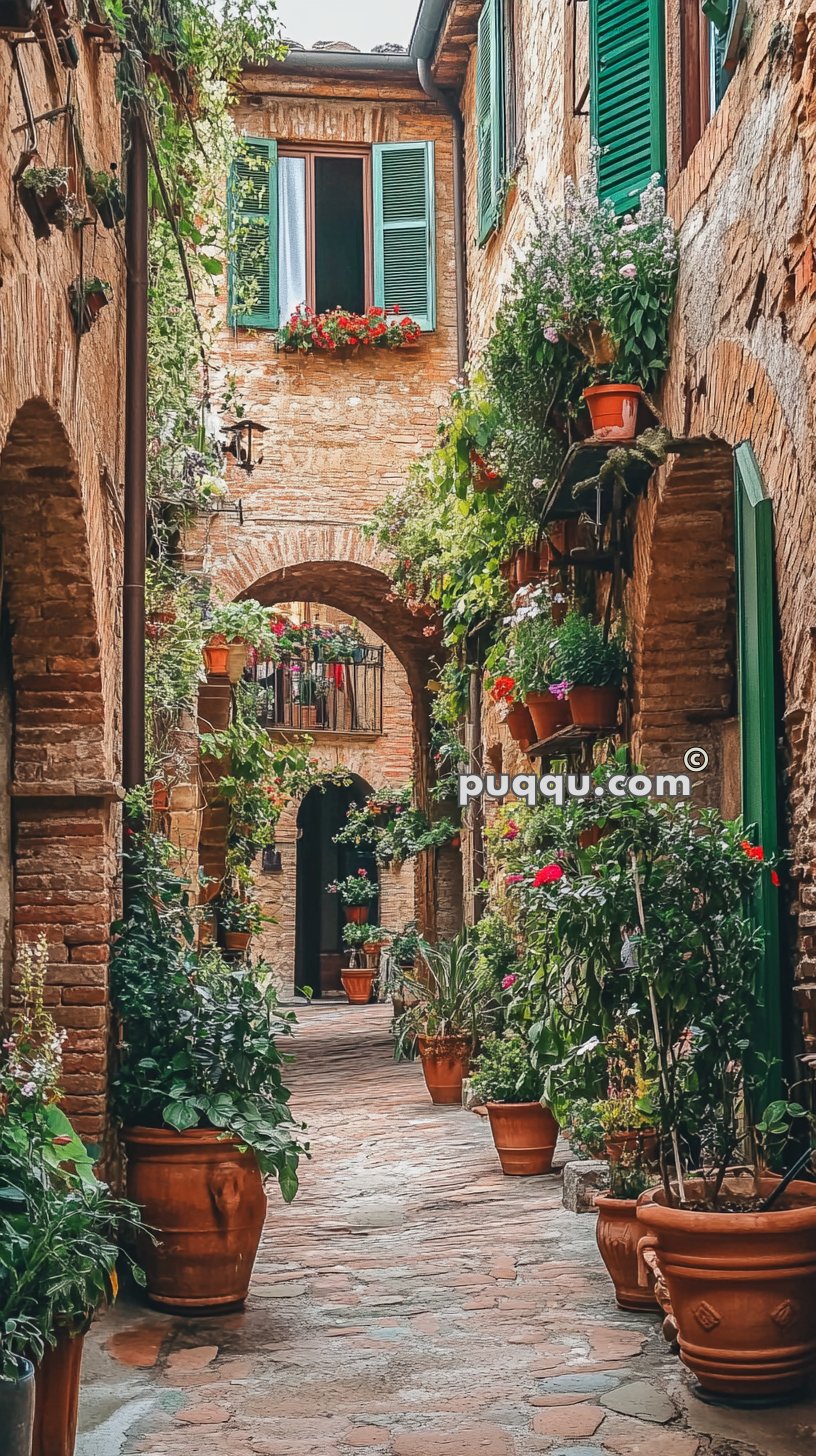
[[344, 333]]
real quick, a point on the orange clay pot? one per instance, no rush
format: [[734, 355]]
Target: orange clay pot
[[613, 409], [56, 1403], [357, 985], [356, 914], [642, 1142], [519, 725], [618, 1234], [204, 1199], [742, 1288], [594, 707], [548, 713], [445, 1063], [237, 940], [525, 1134], [216, 659]]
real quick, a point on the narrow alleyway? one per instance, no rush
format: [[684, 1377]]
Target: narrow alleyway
[[411, 1302]]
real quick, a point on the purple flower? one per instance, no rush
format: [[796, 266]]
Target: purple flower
[[560, 690]]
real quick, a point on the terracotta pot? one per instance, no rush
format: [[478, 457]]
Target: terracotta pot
[[357, 985], [618, 1233], [548, 713], [527, 565], [519, 724], [594, 707], [17, 1411], [56, 1404], [742, 1288], [445, 1063], [525, 1134], [205, 1199], [356, 914], [236, 661], [237, 939], [613, 409], [626, 1145], [161, 797], [216, 659], [373, 947]]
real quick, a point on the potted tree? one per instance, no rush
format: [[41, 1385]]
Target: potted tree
[[451, 1002], [524, 1130], [199, 1092], [590, 663], [355, 893], [358, 980]]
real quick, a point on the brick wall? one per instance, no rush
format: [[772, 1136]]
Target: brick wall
[[60, 525]]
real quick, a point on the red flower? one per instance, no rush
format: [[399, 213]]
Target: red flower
[[774, 879], [512, 831], [502, 689], [753, 851], [513, 879], [547, 875]]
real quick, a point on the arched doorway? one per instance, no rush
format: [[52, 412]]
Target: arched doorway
[[319, 918]]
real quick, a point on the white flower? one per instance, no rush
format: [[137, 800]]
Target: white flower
[[628, 271], [28, 1089]]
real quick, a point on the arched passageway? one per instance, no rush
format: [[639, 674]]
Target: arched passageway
[[319, 949]]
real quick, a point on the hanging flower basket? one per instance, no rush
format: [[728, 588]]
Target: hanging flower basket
[[44, 194], [87, 297]]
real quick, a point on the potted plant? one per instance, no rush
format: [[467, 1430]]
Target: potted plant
[[47, 195], [355, 893], [524, 1131], [531, 651], [513, 714], [358, 980], [242, 625], [103, 190], [239, 920], [17, 1388], [88, 296], [199, 1091], [216, 655], [451, 1003], [591, 662]]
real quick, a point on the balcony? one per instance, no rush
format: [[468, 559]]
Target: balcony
[[304, 694]]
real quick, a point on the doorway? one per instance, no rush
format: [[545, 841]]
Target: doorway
[[319, 919]]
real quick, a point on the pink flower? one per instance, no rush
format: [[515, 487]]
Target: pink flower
[[512, 830], [513, 879], [628, 271], [363, 874], [508, 982], [551, 334], [547, 876], [559, 690]]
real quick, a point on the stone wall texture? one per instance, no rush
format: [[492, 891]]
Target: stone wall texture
[[61, 434]]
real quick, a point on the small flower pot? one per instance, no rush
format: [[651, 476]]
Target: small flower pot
[[236, 661], [216, 659], [618, 1233], [356, 914], [373, 947], [613, 409], [519, 725], [445, 1064], [525, 1134], [357, 985], [237, 940], [642, 1143], [548, 713], [17, 1411], [594, 707], [527, 566], [742, 1289], [56, 1405]]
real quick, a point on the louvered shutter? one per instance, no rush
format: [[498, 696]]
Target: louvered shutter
[[627, 96], [489, 115], [253, 220], [404, 242]]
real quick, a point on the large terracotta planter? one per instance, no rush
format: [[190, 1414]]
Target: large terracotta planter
[[445, 1063], [548, 713], [525, 1134], [56, 1405], [594, 707], [17, 1411], [613, 409], [237, 940], [216, 659], [618, 1234], [204, 1198], [519, 725], [742, 1289], [357, 985], [356, 914]]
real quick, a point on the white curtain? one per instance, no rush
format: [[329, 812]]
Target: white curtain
[[291, 234]]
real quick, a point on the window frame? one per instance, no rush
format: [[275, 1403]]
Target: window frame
[[311, 151]]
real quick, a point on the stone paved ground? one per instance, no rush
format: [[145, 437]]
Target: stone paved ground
[[411, 1302]]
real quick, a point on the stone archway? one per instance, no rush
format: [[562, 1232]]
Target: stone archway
[[59, 838]]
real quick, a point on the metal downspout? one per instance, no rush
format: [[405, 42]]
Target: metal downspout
[[448, 105], [135, 542]]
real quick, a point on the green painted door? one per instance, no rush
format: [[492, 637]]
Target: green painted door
[[753, 527]]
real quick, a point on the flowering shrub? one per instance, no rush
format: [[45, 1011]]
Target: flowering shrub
[[308, 332], [504, 1071], [354, 889]]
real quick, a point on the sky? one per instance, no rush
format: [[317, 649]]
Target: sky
[[363, 23]]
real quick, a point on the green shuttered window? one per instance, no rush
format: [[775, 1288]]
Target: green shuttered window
[[253, 220], [627, 96], [489, 115], [404, 247]]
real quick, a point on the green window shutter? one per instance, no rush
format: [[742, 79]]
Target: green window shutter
[[753, 528], [404, 229], [627, 96], [489, 115], [253, 224]]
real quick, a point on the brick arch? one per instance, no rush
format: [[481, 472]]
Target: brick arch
[[62, 848]]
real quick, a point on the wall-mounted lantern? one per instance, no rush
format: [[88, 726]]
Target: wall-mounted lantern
[[243, 440]]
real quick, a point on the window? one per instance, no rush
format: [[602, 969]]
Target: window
[[627, 96], [703, 55], [331, 228], [490, 115]]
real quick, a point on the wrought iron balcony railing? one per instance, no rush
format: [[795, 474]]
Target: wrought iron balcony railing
[[312, 696]]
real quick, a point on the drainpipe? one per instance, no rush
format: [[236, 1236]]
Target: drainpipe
[[448, 105], [135, 542]]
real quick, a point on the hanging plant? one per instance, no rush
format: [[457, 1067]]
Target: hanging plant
[[106, 195], [44, 193]]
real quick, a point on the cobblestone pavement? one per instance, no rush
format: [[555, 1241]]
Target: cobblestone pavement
[[411, 1302]]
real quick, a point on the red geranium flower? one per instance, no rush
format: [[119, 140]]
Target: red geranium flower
[[547, 875], [774, 879], [753, 851], [502, 689]]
